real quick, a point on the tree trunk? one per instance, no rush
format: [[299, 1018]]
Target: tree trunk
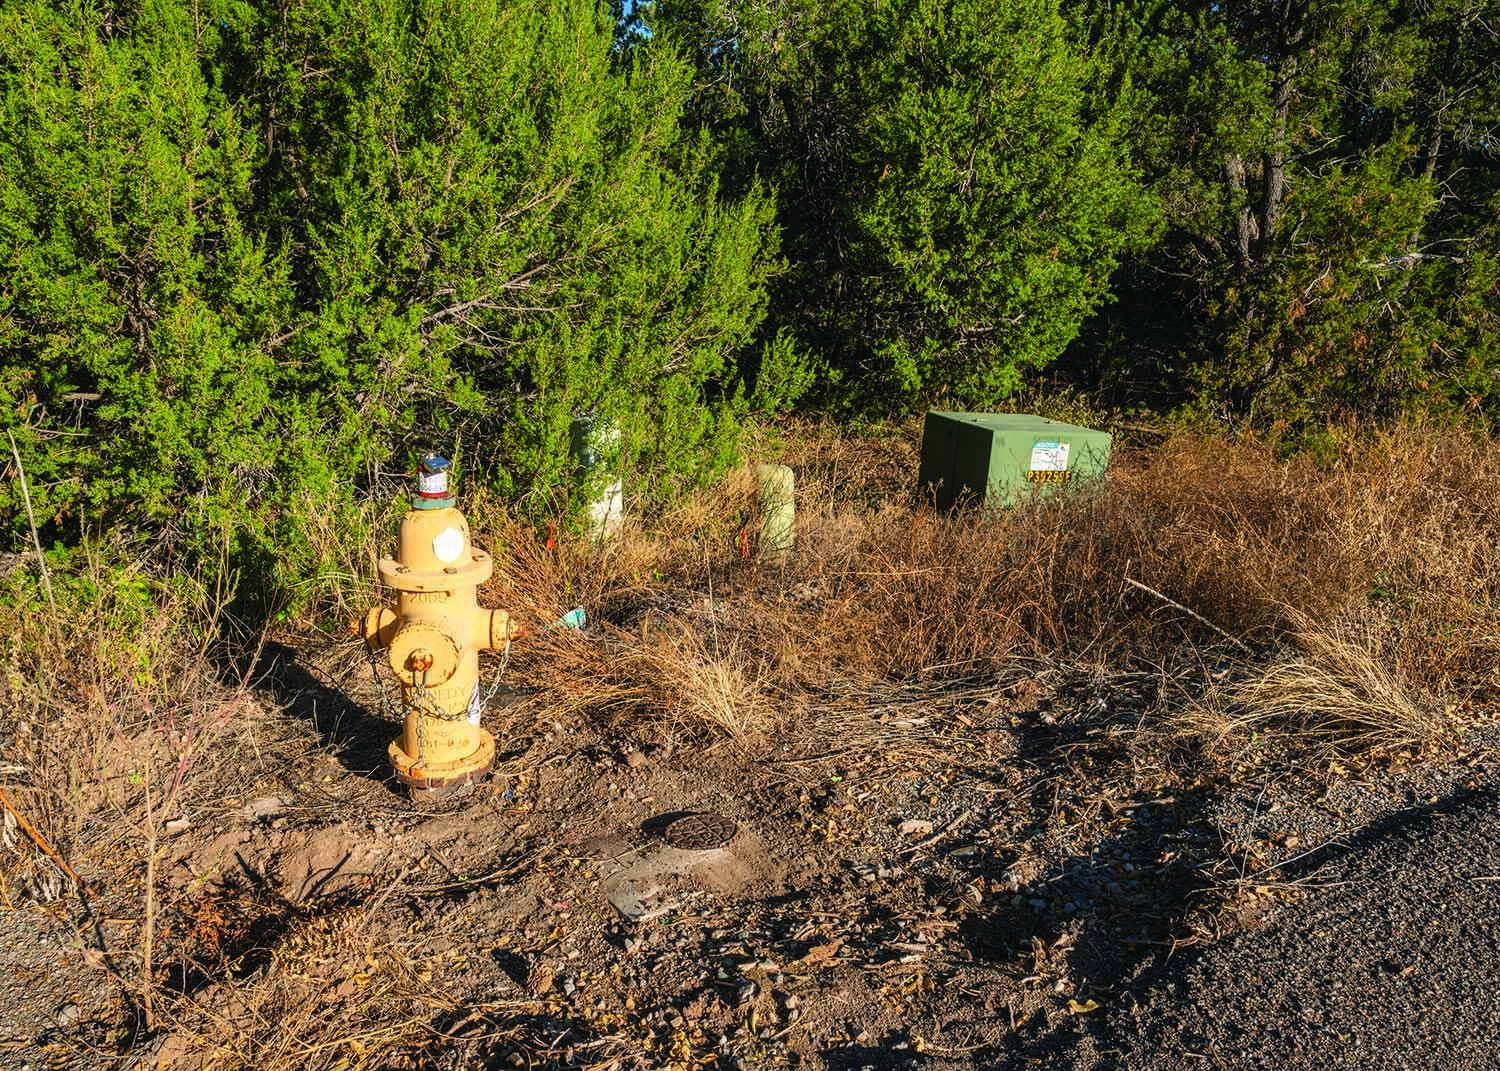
[[1275, 157], [1246, 230]]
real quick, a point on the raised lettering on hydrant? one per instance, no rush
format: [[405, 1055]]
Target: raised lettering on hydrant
[[433, 638]]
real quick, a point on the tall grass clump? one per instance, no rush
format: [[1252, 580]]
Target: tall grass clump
[[1402, 523], [1332, 687]]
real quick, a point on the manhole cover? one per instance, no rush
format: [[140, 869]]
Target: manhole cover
[[701, 832]]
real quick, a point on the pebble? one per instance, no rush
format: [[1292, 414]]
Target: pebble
[[68, 1014], [636, 759]]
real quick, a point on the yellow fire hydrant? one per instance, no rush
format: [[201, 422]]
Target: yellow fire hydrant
[[433, 638]]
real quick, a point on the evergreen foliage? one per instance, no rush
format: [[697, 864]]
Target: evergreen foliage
[[951, 191], [255, 255], [1329, 174], [252, 255]]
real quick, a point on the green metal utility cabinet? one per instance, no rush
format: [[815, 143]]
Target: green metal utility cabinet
[[1003, 458]]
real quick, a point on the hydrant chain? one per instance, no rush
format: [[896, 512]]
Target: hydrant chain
[[499, 675], [422, 721], [385, 700]]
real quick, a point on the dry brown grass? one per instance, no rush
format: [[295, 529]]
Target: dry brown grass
[[1399, 529], [716, 688]]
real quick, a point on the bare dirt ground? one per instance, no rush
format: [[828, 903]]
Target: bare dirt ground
[[991, 872], [1199, 769]]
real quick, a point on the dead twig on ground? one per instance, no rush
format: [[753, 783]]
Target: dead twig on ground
[[41, 842], [1241, 644]]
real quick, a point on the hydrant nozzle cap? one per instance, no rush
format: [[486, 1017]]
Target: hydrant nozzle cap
[[433, 491]]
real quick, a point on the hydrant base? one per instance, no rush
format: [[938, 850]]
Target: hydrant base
[[440, 778]]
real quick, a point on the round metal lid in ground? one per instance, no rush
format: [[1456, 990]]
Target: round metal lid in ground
[[701, 832]]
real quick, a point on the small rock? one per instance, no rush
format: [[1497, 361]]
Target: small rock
[[68, 1014], [264, 807], [636, 759], [792, 1001], [914, 827]]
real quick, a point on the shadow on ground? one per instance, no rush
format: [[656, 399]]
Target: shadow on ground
[[349, 730]]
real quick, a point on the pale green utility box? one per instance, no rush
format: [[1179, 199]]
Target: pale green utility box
[[1000, 459]]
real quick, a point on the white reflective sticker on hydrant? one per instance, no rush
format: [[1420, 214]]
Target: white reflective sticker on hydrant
[[448, 545], [474, 707]]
